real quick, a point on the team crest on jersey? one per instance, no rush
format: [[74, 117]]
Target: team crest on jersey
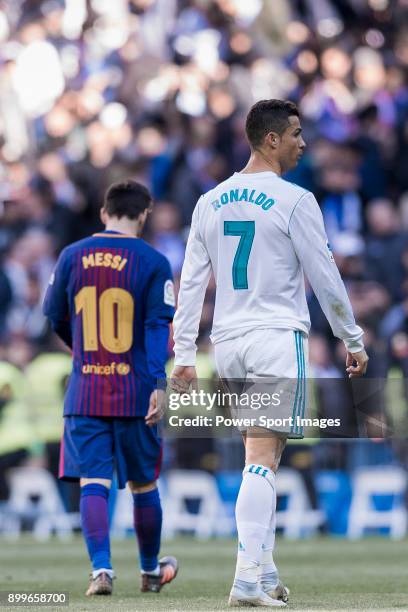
[[169, 295]]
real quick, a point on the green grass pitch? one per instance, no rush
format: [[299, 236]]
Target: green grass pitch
[[323, 574]]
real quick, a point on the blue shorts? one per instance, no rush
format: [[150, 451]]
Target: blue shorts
[[91, 447]]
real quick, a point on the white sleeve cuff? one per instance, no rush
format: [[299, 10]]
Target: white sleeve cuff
[[186, 357], [354, 346]]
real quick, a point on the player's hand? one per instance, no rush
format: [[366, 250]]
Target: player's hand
[[182, 377], [360, 359], [157, 406]]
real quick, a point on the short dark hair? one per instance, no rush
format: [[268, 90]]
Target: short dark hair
[[268, 116], [127, 199]]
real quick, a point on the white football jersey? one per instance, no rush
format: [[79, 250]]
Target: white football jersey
[[259, 234]]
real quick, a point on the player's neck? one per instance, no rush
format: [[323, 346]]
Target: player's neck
[[124, 226], [259, 162]]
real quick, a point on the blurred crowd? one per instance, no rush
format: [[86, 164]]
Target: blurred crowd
[[93, 91]]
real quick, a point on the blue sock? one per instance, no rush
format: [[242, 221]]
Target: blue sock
[[95, 524], [147, 515]]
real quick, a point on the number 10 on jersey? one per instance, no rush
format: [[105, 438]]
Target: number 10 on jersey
[[246, 231], [116, 312]]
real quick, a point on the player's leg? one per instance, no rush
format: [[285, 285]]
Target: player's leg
[[148, 515], [254, 503], [95, 530], [138, 452], [263, 451], [279, 357], [268, 572], [87, 456]]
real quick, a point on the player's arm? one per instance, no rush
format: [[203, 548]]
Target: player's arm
[[56, 306], [195, 276], [160, 303], [306, 229]]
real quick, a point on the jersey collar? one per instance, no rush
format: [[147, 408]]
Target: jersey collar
[[254, 174], [114, 234]]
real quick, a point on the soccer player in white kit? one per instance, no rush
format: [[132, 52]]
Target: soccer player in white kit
[[259, 234]]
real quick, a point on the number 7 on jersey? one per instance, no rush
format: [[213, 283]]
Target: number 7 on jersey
[[246, 231]]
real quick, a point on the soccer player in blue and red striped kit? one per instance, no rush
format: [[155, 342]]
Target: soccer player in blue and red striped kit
[[111, 300]]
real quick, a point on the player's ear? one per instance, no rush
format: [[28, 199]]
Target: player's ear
[[141, 220], [147, 212], [272, 139], [103, 215]]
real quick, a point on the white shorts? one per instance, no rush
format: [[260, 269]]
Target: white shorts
[[269, 359]]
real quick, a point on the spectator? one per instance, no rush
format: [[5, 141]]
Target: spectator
[[166, 234], [385, 246]]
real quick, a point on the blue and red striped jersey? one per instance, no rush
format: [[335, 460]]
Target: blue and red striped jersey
[[111, 299]]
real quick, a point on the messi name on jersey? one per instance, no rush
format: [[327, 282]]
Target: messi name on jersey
[[105, 259], [246, 196]]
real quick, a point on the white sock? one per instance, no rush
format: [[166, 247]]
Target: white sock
[[268, 573], [110, 572], [253, 515]]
